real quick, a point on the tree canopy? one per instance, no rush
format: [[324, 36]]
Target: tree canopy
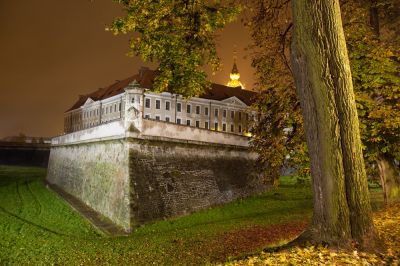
[[375, 65], [179, 35]]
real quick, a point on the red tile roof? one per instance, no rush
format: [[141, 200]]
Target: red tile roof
[[146, 77]]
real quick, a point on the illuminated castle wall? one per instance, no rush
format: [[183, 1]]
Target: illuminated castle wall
[[136, 156]]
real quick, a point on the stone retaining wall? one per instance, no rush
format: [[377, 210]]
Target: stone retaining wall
[[24, 154], [135, 178], [171, 179], [97, 173]]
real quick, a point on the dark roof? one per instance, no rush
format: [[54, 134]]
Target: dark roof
[[146, 77], [221, 92]]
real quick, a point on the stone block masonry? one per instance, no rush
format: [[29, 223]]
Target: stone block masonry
[[172, 178], [134, 178]]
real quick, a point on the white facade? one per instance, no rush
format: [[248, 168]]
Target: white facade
[[230, 115]]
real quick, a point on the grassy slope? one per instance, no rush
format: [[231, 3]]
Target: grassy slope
[[36, 227]]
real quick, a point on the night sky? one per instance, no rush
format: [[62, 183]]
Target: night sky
[[53, 50]]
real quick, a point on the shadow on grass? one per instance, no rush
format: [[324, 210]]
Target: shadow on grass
[[279, 214], [32, 223]]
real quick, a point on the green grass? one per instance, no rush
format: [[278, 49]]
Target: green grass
[[37, 227]]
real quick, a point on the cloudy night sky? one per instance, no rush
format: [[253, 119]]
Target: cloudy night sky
[[51, 51]]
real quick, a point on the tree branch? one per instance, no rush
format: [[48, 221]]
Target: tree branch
[[283, 41]]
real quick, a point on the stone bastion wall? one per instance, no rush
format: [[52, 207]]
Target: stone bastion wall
[[134, 178]]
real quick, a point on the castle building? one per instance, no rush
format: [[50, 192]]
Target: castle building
[[135, 156], [220, 108]]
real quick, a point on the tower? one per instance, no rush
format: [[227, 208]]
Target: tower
[[234, 75], [134, 98]]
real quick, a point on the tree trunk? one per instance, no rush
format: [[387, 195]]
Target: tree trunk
[[390, 179], [374, 17], [321, 68]]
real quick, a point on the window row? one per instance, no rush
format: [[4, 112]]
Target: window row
[[217, 127], [197, 110], [105, 110], [75, 123]]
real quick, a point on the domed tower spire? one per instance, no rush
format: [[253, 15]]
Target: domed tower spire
[[234, 75]]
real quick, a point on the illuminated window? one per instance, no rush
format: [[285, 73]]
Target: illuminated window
[[147, 103]]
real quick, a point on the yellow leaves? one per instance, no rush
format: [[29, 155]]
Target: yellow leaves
[[387, 223], [307, 256], [389, 53]]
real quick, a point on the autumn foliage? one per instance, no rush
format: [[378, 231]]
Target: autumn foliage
[[387, 222], [375, 65]]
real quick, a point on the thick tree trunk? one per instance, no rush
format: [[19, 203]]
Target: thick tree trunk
[[342, 211], [390, 179]]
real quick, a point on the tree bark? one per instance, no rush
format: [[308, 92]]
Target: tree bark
[[321, 69], [390, 179]]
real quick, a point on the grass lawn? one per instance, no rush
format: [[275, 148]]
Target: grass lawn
[[37, 227]]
